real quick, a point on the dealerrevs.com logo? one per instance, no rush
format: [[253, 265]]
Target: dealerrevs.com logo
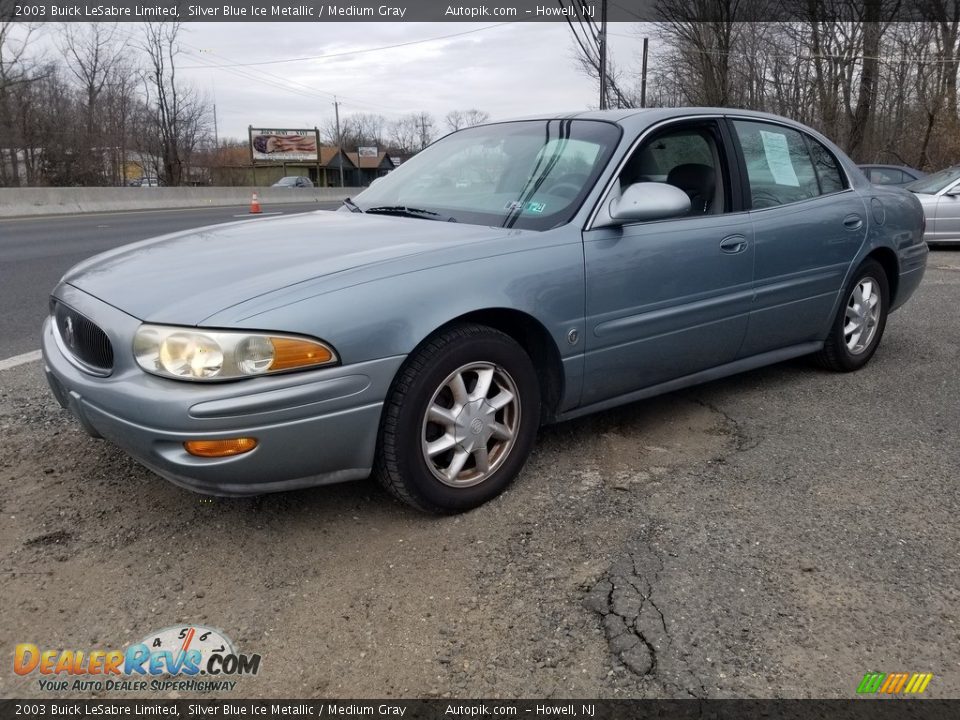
[[184, 658]]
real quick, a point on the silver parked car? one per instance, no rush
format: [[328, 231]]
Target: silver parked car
[[425, 331], [939, 194], [294, 181], [891, 174]]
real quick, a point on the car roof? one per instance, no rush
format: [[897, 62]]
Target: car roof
[[636, 119], [889, 167]]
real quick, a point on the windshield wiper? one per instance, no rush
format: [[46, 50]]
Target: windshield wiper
[[405, 211], [351, 205]]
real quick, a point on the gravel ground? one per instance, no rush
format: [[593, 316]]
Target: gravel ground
[[776, 534]]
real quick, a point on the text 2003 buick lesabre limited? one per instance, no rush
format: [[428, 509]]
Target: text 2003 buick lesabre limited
[[509, 275]]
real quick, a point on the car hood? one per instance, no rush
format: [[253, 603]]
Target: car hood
[[186, 277]]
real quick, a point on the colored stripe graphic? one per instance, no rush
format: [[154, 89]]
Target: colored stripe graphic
[[915, 681], [871, 682], [923, 679], [897, 683], [894, 683]]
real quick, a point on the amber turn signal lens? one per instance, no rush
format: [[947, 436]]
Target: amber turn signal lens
[[219, 448], [292, 353]]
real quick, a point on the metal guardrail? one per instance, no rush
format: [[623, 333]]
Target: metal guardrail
[[19, 202]]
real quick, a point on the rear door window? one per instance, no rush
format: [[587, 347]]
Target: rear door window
[[780, 169]]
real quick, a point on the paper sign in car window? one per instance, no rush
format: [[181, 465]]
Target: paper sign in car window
[[778, 158]]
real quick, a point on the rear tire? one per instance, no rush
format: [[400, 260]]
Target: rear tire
[[460, 420], [860, 321]]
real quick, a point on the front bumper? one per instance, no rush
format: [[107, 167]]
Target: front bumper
[[312, 428]]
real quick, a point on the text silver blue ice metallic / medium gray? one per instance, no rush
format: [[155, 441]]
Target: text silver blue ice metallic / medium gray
[[510, 275]]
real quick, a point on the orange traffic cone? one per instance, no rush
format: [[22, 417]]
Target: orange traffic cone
[[255, 204]]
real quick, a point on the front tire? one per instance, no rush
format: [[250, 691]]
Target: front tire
[[460, 420], [860, 322]]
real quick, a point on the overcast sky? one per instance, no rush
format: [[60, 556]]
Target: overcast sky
[[507, 70]]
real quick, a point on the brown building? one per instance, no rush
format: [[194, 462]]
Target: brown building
[[232, 167], [369, 167]]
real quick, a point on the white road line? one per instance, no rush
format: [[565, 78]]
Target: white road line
[[261, 214], [12, 362]]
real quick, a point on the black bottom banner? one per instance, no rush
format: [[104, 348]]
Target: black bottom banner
[[856, 709]]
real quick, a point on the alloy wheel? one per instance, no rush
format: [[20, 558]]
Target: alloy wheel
[[470, 424], [862, 315]]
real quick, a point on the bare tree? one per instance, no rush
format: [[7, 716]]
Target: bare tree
[[867, 74], [370, 129], [412, 133], [176, 118], [586, 33], [347, 132], [92, 52], [17, 71], [454, 120], [459, 119], [119, 104], [407, 132], [425, 128]]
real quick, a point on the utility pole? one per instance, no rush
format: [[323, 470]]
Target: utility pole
[[643, 77], [603, 55], [216, 131], [336, 111]]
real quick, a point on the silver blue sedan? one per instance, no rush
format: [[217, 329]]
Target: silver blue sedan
[[510, 275]]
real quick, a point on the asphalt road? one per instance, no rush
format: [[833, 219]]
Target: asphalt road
[[775, 534], [36, 251]]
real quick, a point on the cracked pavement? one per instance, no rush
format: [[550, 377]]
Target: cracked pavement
[[774, 534]]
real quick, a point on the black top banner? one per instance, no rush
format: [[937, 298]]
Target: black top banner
[[858, 709], [470, 11]]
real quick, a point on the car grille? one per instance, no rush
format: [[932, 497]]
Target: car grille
[[83, 339]]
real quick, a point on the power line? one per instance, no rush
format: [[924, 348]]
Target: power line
[[353, 52], [276, 82], [820, 56]]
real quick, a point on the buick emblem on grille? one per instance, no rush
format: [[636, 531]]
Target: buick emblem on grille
[[69, 335]]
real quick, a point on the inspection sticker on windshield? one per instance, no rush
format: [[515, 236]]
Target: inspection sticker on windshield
[[519, 206]]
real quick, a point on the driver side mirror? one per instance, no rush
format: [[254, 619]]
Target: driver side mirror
[[649, 201]]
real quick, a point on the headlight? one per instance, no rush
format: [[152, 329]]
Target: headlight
[[193, 354]]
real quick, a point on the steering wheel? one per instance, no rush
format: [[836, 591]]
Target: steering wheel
[[568, 185]]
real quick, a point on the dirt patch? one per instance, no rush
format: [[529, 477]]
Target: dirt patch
[[342, 591]]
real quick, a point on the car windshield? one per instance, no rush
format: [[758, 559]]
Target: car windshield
[[932, 184], [289, 180], [530, 175]]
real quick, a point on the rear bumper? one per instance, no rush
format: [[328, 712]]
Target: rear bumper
[[913, 264], [312, 428]]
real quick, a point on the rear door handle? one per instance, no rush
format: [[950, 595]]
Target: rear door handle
[[853, 222], [733, 244]]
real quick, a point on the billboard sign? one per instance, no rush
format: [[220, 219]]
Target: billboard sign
[[283, 145], [367, 152]]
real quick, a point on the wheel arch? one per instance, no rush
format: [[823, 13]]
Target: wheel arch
[[536, 341], [888, 260]]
